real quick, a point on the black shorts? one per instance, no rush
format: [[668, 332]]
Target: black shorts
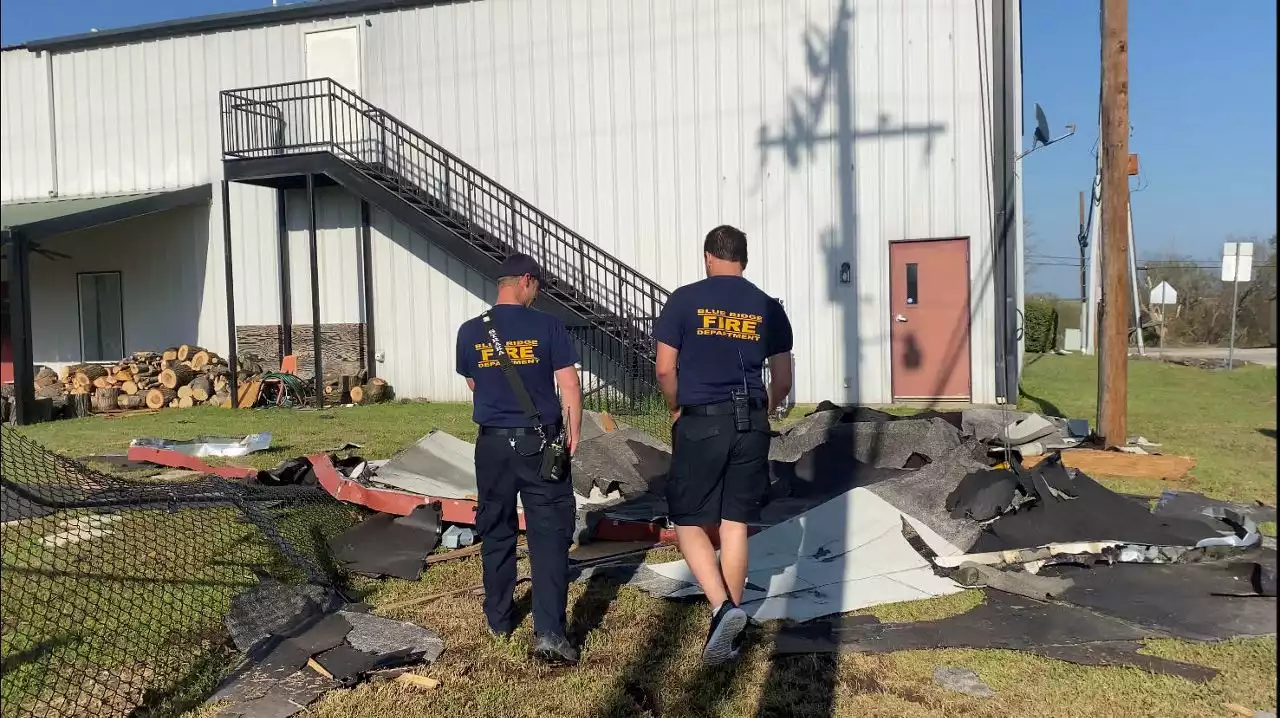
[[717, 472]]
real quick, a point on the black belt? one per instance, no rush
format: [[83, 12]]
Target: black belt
[[550, 430], [724, 408]]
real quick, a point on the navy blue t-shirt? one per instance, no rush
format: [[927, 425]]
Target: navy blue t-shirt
[[715, 324], [538, 344]]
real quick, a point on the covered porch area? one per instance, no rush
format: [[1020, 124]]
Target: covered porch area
[[91, 279]]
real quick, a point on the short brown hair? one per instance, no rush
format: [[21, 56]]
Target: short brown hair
[[727, 243]]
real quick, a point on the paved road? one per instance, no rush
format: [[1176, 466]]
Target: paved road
[[1265, 356]]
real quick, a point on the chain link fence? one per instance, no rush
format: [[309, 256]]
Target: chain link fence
[[113, 591]]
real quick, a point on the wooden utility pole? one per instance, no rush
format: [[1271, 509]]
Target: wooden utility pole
[[1113, 369]]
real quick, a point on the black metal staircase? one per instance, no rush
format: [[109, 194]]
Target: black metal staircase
[[275, 134]]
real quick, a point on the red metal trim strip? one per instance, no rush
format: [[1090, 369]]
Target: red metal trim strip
[[460, 511], [177, 460], [390, 501]]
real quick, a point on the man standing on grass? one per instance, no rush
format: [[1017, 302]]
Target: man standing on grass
[[513, 357], [714, 337]]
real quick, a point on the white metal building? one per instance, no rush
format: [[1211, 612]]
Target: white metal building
[[839, 134]]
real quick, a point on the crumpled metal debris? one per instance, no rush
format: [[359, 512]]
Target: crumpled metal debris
[[209, 445], [1247, 533], [1090, 552]]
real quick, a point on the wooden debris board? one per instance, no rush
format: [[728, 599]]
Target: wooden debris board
[[1166, 467], [247, 395]]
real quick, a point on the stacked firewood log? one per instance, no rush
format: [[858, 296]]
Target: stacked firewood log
[[177, 377]]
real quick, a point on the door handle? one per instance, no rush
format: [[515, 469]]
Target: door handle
[[900, 318]]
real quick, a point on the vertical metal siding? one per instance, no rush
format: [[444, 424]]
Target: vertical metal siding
[[338, 260], [26, 143], [423, 293], [640, 123]]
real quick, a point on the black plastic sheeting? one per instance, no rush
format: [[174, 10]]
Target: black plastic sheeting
[[14, 507], [389, 545], [1183, 600], [1188, 504], [1004, 621], [1095, 514]]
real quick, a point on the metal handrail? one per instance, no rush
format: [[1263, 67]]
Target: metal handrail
[[410, 145]]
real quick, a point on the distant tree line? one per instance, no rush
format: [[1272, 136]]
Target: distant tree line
[[1203, 313]]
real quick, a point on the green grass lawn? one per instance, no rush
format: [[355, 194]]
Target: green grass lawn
[[1225, 420], [640, 654], [381, 429]]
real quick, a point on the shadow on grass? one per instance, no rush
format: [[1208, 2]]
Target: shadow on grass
[[645, 685], [1046, 407], [1269, 433], [590, 608], [121, 578], [189, 691], [38, 652]]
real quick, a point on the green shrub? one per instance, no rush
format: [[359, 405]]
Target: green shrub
[[1041, 326]]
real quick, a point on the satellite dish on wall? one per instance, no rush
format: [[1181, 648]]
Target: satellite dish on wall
[[1041, 137], [1042, 127]]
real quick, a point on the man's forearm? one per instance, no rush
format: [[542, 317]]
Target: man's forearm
[[571, 403], [573, 413], [667, 383]]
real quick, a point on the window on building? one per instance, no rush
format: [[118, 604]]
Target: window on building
[[913, 296], [101, 317]]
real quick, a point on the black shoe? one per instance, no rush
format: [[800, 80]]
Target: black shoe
[[553, 648], [500, 635], [738, 642], [725, 637]]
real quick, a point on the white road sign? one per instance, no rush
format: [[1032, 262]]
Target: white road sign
[[1237, 261], [1164, 293]]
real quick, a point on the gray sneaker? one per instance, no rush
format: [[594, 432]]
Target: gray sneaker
[[724, 640], [555, 649]]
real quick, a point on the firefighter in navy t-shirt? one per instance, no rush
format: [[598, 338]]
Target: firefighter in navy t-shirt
[[714, 338], [508, 458]]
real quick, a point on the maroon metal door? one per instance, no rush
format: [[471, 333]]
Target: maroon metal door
[[929, 319]]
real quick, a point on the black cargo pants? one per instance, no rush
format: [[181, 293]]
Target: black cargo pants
[[501, 472]]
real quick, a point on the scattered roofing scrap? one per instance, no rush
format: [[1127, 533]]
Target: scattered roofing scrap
[[390, 545], [1065, 633], [301, 642]]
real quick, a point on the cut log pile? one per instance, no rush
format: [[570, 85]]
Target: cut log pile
[[178, 377]]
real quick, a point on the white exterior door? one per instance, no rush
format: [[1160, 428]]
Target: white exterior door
[[334, 124]]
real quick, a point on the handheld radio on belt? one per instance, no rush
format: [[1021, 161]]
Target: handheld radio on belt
[[741, 402], [555, 456]]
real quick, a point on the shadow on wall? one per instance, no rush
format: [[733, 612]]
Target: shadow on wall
[[826, 101], [161, 260]]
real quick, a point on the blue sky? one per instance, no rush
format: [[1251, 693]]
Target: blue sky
[[1203, 110]]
